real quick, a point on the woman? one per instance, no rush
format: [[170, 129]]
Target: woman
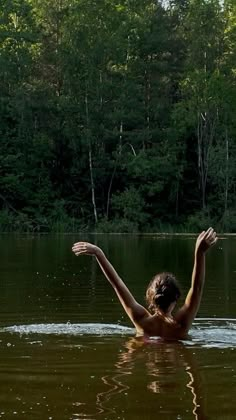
[[162, 293]]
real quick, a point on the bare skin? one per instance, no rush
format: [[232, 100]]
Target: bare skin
[[161, 324]]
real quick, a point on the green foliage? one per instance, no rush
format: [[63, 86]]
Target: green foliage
[[117, 116], [199, 221], [130, 206], [117, 226], [228, 222]]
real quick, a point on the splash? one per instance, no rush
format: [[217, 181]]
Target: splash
[[213, 333], [70, 329], [205, 332]]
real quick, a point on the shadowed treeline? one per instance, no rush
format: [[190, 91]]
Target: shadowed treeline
[[117, 115]]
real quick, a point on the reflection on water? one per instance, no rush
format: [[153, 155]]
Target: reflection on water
[[162, 360], [107, 376], [162, 363], [115, 365]]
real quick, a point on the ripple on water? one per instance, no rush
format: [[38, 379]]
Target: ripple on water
[[70, 329], [205, 332], [213, 333]]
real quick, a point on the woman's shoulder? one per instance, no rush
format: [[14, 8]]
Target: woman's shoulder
[[163, 326]]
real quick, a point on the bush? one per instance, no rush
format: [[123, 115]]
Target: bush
[[228, 222], [116, 226], [199, 221], [15, 222]]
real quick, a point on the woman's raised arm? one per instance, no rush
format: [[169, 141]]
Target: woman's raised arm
[[134, 310], [187, 313]]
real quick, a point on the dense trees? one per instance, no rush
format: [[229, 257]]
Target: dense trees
[[117, 115]]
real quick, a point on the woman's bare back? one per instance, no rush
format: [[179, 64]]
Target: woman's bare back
[[158, 325]]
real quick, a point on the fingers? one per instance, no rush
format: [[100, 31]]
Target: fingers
[[208, 232], [201, 234], [210, 237], [77, 253], [79, 248], [79, 244], [214, 242]]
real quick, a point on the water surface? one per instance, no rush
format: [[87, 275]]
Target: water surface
[[69, 352]]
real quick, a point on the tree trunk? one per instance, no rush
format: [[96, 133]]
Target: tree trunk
[[90, 161], [114, 170], [201, 161], [205, 135], [226, 170], [147, 107]]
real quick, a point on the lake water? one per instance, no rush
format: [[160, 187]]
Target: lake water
[[68, 350]]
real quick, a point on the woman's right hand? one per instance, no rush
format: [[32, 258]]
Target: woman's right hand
[[85, 248]]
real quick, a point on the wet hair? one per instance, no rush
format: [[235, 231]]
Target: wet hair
[[162, 291]]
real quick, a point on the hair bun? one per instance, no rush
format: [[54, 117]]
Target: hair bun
[[162, 291], [159, 298]]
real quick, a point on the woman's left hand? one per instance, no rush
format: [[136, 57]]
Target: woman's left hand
[[85, 248]]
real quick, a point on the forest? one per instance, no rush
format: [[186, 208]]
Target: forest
[[117, 115]]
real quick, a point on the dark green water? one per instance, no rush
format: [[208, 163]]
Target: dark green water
[[56, 370]]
